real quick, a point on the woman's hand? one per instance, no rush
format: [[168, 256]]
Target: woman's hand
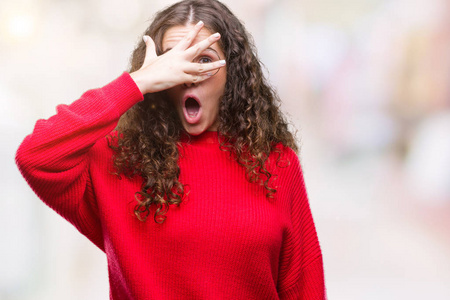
[[175, 67]]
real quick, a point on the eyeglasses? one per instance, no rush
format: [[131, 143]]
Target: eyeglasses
[[208, 56]]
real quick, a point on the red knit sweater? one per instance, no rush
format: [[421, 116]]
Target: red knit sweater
[[225, 241]]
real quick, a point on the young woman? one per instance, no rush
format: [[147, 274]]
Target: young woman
[[192, 137]]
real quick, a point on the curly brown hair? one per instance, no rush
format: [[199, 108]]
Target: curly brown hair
[[250, 121]]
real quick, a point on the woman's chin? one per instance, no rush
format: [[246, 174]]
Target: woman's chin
[[197, 129], [194, 130]]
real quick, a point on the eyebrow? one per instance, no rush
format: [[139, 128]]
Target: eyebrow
[[209, 48]]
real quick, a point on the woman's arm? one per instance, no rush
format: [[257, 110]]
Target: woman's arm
[[301, 274], [54, 161]]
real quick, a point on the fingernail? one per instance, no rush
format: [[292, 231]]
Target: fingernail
[[200, 23], [222, 62], [145, 38], [216, 35]]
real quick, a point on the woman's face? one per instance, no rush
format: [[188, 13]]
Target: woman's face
[[197, 104]]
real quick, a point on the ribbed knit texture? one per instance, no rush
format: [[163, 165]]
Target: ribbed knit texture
[[225, 241]]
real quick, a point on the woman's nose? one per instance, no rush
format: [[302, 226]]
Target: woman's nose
[[189, 84]]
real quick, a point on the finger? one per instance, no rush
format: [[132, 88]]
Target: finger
[[194, 68], [196, 78], [202, 46], [150, 51], [186, 41]]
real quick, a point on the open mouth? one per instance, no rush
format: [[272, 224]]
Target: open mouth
[[192, 109]]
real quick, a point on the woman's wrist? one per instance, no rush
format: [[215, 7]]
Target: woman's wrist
[[141, 82]]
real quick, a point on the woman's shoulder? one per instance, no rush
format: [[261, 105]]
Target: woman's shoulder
[[285, 153], [283, 162]]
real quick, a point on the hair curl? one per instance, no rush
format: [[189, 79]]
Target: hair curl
[[251, 124]]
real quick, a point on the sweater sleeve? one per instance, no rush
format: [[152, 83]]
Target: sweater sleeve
[[54, 158], [301, 274]]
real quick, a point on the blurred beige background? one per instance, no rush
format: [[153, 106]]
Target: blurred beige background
[[366, 82]]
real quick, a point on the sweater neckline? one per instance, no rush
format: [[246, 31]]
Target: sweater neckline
[[207, 137]]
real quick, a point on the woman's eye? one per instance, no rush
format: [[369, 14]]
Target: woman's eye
[[204, 60]]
